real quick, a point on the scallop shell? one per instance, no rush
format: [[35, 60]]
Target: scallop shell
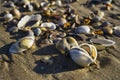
[[81, 57], [8, 17], [117, 30], [23, 22], [82, 29], [104, 42], [48, 25]]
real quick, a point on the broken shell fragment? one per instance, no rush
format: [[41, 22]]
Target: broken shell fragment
[[48, 25], [82, 29]]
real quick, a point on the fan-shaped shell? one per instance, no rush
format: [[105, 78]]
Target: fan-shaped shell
[[82, 29], [81, 57], [48, 25]]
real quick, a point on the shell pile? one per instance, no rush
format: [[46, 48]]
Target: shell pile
[[57, 22]]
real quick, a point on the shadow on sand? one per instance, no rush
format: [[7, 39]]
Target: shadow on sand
[[61, 63]]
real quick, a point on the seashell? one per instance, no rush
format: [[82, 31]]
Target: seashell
[[84, 29], [62, 21], [81, 57], [36, 5], [16, 13], [58, 3], [47, 60], [91, 49], [30, 7], [105, 24], [99, 16], [8, 17], [37, 31], [104, 42], [25, 2], [44, 5], [23, 44], [48, 25], [117, 30], [107, 30], [34, 19], [62, 46], [10, 4], [72, 42]]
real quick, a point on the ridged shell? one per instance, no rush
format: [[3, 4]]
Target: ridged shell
[[82, 29], [48, 25]]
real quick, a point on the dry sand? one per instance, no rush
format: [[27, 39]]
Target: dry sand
[[27, 66]]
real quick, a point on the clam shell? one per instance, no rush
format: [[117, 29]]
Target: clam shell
[[82, 29], [81, 57], [22, 23], [48, 25], [104, 42], [62, 21], [117, 30], [107, 30], [62, 46], [91, 49], [16, 13], [37, 31], [8, 17], [21, 45]]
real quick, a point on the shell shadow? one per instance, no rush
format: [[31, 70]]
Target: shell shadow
[[47, 50], [5, 50], [60, 64], [104, 61]]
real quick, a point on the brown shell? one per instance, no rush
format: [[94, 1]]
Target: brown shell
[[16, 13]]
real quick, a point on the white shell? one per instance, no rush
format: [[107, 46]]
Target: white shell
[[21, 24], [58, 3], [83, 29], [8, 17], [104, 42], [117, 30], [62, 21], [99, 16], [48, 25], [81, 57]]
